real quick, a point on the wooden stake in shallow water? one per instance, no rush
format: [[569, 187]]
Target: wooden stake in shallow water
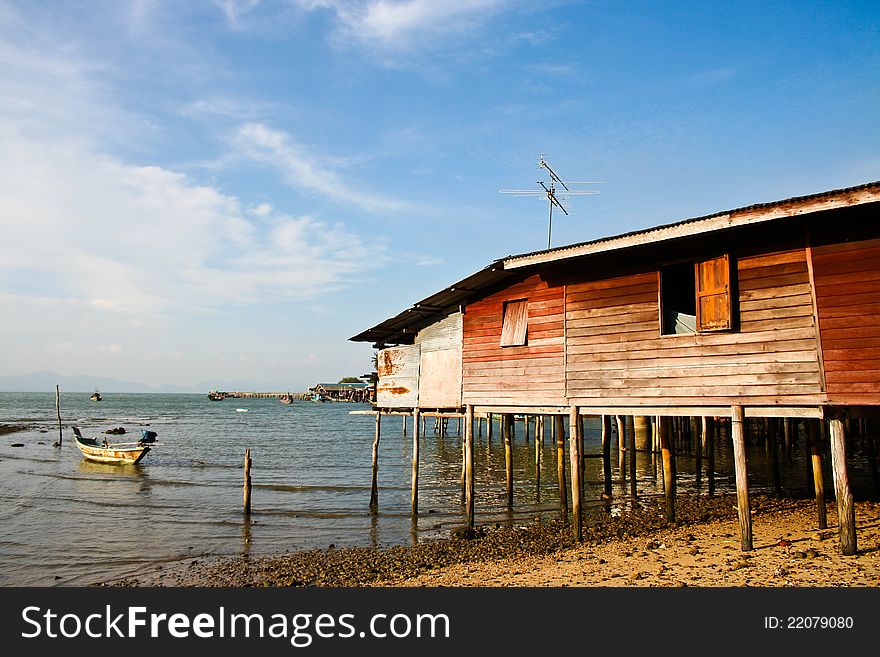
[[247, 481], [469, 464], [559, 426], [415, 463], [374, 485], [507, 437], [818, 476], [846, 513], [667, 451], [58, 412], [742, 476], [576, 464], [606, 453]]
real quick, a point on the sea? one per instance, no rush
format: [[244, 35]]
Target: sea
[[66, 521]]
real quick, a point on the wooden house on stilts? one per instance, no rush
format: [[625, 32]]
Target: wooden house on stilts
[[767, 311]]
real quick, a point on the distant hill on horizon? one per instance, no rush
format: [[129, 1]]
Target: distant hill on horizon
[[46, 381]]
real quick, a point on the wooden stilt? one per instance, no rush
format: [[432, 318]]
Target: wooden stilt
[[621, 447], [526, 421], [404, 425], [710, 453], [374, 485], [469, 464], [559, 426], [655, 429], [699, 424], [58, 413], [667, 451], [415, 462], [606, 454], [631, 430], [846, 512], [489, 428], [808, 459], [247, 481], [507, 437], [479, 427], [742, 476], [539, 440], [871, 453], [818, 475], [773, 446], [576, 464]]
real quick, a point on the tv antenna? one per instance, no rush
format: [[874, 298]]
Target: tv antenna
[[549, 191]]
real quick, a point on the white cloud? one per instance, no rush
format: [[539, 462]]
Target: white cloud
[[303, 169], [84, 227]]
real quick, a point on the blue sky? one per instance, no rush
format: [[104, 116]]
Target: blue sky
[[226, 191]]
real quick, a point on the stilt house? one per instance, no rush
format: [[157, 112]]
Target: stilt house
[[770, 310]]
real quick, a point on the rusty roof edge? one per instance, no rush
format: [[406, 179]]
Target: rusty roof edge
[[870, 192], [434, 305]]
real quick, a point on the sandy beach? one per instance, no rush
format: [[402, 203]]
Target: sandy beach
[[637, 550]]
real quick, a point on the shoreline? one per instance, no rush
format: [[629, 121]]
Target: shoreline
[[635, 549]]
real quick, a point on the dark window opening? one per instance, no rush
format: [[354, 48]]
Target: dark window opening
[[678, 303]]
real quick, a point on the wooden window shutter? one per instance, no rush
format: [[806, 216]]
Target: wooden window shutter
[[713, 294], [515, 323]]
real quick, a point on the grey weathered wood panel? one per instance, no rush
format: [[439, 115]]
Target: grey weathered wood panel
[[398, 369]]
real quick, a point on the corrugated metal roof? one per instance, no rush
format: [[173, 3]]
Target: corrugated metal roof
[[717, 221], [402, 328]]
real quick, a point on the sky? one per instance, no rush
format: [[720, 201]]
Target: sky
[[227, 191]]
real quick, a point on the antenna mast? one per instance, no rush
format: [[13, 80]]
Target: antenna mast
[[549, 192]]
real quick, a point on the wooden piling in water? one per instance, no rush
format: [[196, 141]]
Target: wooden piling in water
[[469, 464], [667, 451], [404, 426], [374, 484], [773, 446], [621, 447], [539, 443], [742, 476], [415, 463], [846, 512], [818, 475], [247, 481], [631, 430], [507, 437], [559, 430], [576, 468], [489, 428], [710, 432], [606, 454], [58, 413], [698, 424]]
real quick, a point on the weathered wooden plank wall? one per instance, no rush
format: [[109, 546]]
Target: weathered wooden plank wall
[[440, 363], [847, 279], [532, 374], [615, 354], [398, 369]]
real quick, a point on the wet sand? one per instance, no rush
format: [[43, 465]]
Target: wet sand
[[638, 549]]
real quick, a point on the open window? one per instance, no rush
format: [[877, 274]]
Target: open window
[[514, 328], [695, 297]]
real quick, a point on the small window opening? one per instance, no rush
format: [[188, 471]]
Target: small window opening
[[678, 302], [514, 327]]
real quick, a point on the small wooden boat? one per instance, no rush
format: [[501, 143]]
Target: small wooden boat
[[96, 396], [213, 395], [286, 399], [117, 453]]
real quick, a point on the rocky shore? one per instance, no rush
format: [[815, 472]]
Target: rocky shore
[[636, 549]]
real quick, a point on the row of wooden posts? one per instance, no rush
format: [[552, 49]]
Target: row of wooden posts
[[661, 442]]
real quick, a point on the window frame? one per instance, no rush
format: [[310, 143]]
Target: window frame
[[512, 332], [728, 290]]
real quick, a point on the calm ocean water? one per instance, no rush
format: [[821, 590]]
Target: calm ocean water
[[67, 521]]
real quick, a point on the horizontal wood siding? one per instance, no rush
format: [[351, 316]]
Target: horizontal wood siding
[[847, 278], [532, 374], [616, 355]]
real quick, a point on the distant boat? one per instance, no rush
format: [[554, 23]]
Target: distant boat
[[241, 410], [286, 399], [115, 453], [213, 395], [319, 397], [96, 396]]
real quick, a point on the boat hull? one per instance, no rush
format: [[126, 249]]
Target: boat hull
[[115, 455]]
